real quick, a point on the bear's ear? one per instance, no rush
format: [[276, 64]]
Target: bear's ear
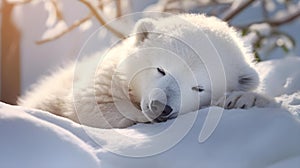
[[142, 29]]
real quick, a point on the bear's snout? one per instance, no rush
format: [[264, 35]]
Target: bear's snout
[[161, 110]]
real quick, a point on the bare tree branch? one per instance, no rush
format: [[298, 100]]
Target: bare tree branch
[[72, 27], [101, 20], [235, 12]]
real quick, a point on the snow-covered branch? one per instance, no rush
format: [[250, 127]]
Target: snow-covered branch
[[61, 28], [67, 30], [285, 20], [101, 19]]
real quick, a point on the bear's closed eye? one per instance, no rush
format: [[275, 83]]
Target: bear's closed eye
[[198, 88], [161, 71]]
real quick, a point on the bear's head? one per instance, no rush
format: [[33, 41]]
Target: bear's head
[[181, 63]]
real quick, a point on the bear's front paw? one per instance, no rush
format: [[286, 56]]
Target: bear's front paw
[[244, 100]]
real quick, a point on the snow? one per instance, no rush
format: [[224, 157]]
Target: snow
[[55, 30], [281, 76], [264, 29], [52, 15], [27, 141], [270, 5], [86, 25], [280, 79], [257, 137]]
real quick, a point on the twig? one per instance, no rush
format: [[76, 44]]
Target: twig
[[118, 8], [101, 20], [285, 20], [72, 27], [235, 12], [101, 4], [58, 13], [264, 9]]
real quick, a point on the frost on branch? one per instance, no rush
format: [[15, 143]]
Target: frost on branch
[[60, 26]]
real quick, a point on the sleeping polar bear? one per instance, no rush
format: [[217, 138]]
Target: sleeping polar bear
[[168, 66]]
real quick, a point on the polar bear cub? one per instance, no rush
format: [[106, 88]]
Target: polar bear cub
[[166, 67]]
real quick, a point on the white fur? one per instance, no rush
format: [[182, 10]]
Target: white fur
[[193, 50]]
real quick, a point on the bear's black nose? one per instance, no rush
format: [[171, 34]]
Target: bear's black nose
[[167, 111], [161, 110]]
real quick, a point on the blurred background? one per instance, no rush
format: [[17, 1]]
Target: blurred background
[[39, 35]]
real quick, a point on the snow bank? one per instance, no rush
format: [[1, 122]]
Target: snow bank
[[280, 79], [257, 137], [281, 76], [27, 141], [243, 138]]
